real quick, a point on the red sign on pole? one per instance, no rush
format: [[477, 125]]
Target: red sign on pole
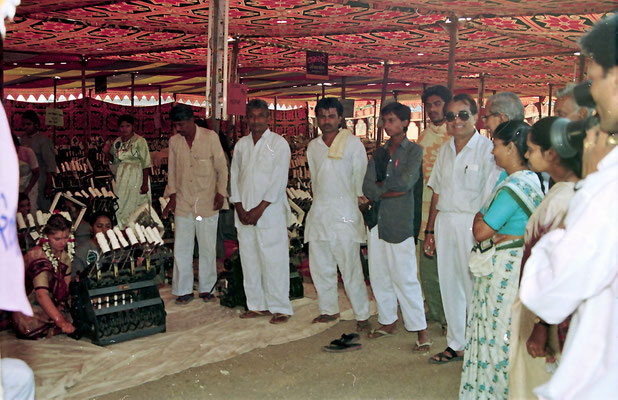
[[237, 98], [317, 65]]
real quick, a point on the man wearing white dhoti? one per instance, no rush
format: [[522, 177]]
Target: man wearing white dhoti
[[461, 178], [259, 176], [335, 228]]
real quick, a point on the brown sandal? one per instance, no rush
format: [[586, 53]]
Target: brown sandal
[[279, 318], [254, 314], [325, 318]]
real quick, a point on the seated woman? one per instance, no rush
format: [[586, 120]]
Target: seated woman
[[48, 273], [503, 219], [534, 343], [87, 252]]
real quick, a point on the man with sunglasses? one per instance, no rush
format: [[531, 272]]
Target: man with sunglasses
[[463, 170], [502, 107], [431, 138]]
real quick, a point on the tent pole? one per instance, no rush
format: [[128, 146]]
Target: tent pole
[[2, 70], [132, 91], [343, 88], [275, 116], [159, 109], [375, 120], [55, 98], [83, 62], [452, 32], [323, 91], [551, 87], [423, 106], [382, 100], [482, 90], [582, 66]]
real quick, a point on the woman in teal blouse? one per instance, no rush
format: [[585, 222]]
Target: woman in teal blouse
[[498, 227]]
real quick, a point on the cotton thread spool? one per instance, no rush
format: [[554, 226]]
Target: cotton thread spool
[[149, 235], [102, 242], [30, 219], [157, 236], [21, 223], [120, 237], [113, 240], [131, 236], [140, 233]]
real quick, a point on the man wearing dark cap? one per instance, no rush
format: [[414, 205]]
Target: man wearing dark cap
[[197, 187]]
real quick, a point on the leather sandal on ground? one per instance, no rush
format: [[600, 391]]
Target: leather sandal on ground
[[254, 314], [279, 318], [378, 333], [207, 297], [342, 345], [446, 356], [422, 347], [184, 299], [325, 318]]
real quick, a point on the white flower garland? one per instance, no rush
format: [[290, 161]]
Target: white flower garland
[[51, 257]]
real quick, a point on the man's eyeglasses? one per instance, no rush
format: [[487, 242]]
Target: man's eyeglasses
[[462, 115], [484, 118]]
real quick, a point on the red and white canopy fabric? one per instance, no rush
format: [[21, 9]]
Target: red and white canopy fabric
[[517, 45]]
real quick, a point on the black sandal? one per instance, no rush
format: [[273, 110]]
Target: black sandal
[[446, 356], [340, 346]]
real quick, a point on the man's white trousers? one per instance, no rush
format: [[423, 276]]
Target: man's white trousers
[[324, 257], [454, 240], [393, 273], [265, 259], [186, 229]]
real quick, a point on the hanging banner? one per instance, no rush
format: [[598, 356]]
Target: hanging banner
[[317, 65], [54, 117], [237, 98]]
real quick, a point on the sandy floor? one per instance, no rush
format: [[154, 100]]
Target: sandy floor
[[384, 368]]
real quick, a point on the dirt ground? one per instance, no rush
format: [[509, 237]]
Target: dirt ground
[[384, 368]]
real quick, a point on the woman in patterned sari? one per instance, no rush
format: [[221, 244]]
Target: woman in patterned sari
[[499, 228], [48, 273], [535, 345]]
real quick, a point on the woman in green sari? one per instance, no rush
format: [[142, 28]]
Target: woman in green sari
[[130, 152]]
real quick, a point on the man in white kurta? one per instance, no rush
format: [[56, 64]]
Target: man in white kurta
[[259, 176], [197, 186], [575, 270], [461, 178], [335, 229]]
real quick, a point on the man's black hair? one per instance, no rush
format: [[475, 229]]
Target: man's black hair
[[32, 116], [465, 98], [601, 43], [438, 90], [181, 112], [258, 104], [327, 103], [399, 110], [126, 118]]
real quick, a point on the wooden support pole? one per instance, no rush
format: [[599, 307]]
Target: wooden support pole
[[132, 91], [2, 70], [551, 88], [453, 27], [315, 127], [159, 109], [375, 118], [343, 88], [382, 100], [423, 106], [482, 90], [396, 95], [275, 116], [83, 62], [214, 69], [582, 66], [55, 100], [323, 91]]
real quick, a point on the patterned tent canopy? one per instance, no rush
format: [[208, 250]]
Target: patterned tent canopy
[[517, 45]]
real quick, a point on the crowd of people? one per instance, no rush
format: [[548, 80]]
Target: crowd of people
[[519, 270]]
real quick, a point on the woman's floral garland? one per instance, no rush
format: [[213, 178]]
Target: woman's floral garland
[[44, 242]]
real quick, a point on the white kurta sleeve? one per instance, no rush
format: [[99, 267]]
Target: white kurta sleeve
[[567, 267], [359, 166], [235, 173], [171, 169], [436, 173], [220, 164], [279, 177]]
